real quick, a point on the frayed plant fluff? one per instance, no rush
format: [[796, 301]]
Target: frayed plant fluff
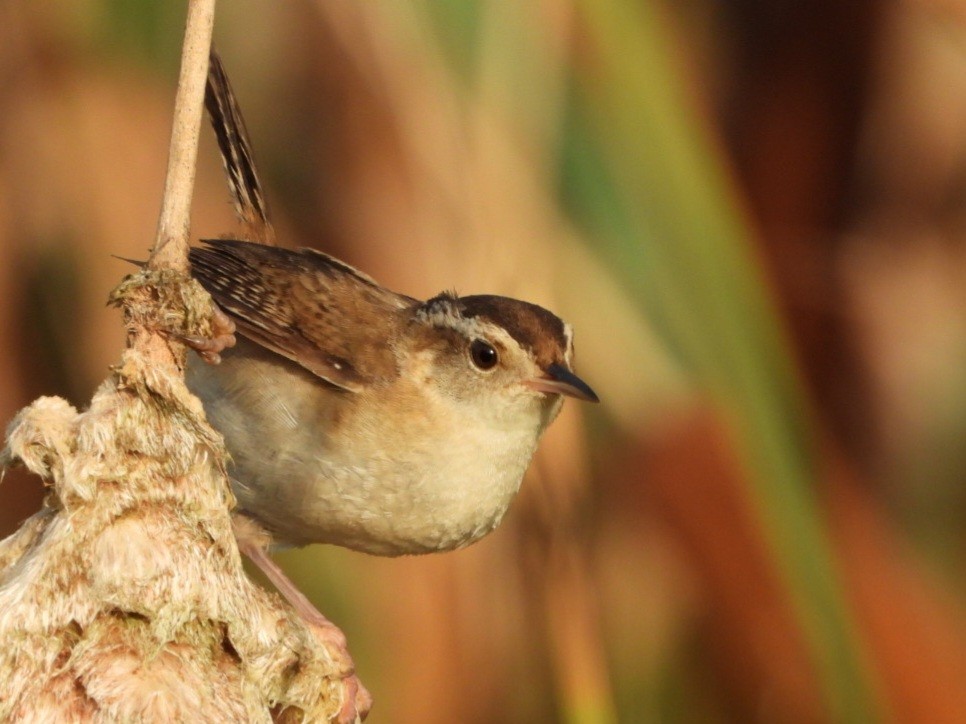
[[124, 598]]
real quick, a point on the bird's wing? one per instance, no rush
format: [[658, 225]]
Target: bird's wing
[[322, 314]]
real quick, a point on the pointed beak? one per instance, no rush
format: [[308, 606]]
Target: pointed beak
[[561, 381]]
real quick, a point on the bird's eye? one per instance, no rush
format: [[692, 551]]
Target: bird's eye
[[483, 354]]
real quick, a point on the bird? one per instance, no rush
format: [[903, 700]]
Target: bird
[[365, 418], [356, 415]]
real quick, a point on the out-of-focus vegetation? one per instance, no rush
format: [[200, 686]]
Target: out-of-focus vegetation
[[752, 213]]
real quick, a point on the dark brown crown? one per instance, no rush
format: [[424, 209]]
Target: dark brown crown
[[534, 328]]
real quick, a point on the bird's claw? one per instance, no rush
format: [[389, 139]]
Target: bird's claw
[[356, 699], [222, 337]]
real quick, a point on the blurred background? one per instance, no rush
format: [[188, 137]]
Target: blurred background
[[754, 215]]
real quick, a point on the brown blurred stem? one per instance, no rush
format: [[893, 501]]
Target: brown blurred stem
[[803, 73]]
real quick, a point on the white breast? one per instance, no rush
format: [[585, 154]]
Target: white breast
[[397, 492]]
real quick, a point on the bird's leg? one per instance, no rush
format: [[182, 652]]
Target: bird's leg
[[222, 337], [253, 543]]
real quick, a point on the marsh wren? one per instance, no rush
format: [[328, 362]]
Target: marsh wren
[[355, 415], [362, 417]]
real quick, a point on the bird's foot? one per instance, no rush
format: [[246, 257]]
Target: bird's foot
[[356, 699], [222, 337]]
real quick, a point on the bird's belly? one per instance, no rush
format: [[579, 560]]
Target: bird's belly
[[385, 506]]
